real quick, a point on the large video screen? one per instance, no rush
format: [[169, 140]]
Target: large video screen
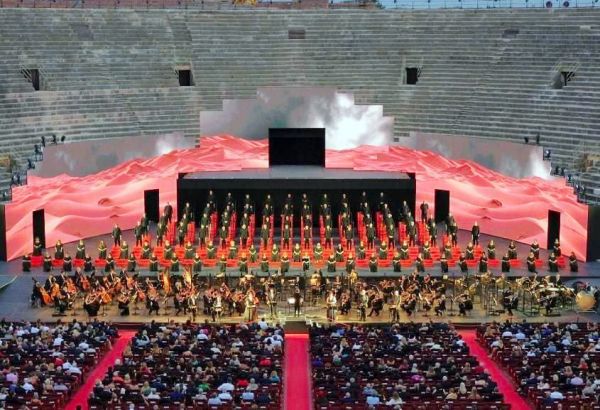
[[297, 146]]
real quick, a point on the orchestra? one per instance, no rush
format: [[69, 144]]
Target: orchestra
[[334, 293]]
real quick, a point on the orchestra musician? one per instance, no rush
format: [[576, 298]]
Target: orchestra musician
[[376, 299], [152, 299], [395, 305], [251, 302], [331, 304], [91, 304], [216, 306], [464, 304], [272, 300], [124, 300], [363, 304], [440, 305]]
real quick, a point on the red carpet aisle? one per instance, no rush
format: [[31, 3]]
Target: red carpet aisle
[[505, 383], [81, 397], [297, 387]]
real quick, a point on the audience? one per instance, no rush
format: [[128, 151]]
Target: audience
[[45, 364], [551, 363], [401, 365], [196, 365]]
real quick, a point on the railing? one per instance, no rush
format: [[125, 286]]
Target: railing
[[469, 4], [230, 4]]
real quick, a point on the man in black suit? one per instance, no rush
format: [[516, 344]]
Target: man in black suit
[[475, 231], [116, 234], [168, 212], [424, 211]]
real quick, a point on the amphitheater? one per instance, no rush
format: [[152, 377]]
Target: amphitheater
[[488, 73]]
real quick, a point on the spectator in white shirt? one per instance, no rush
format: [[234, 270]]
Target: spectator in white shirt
[[226, 387], [248, 396], [214, 400], [556, 395], [225, 396], [576, 381]]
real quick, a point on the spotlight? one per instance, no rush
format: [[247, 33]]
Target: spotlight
[[63, 138], [547, 154], [54, 139], [526, 139]]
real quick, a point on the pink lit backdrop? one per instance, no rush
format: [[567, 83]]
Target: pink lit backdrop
[[79, 207]]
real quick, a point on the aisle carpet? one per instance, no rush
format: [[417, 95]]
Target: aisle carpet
[[81, 397], [504, 381], [297, 389]]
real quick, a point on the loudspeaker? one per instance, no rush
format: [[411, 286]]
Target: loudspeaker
[[3, 252], [39, 226], [593, 233], [151, 204], [553, 227], [442, 205]]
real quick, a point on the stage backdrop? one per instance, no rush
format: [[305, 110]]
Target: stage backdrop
[[87, 206]]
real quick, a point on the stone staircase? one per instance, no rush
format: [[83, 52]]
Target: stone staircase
[[484, 73]]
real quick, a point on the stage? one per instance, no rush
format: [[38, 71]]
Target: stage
[[278, 181]]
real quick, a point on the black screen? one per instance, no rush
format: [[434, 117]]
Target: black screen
[[297, 146]]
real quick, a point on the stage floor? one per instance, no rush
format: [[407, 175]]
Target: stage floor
[[14, 299]]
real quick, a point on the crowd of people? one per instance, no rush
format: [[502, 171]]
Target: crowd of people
[[401, 366], [553, 364], [42, 365], [195, 365]]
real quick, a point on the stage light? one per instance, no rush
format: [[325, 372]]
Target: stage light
[[526, 139]]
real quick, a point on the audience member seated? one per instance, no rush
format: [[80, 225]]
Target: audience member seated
[[400, 365], [551, 363], [196, 365]]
